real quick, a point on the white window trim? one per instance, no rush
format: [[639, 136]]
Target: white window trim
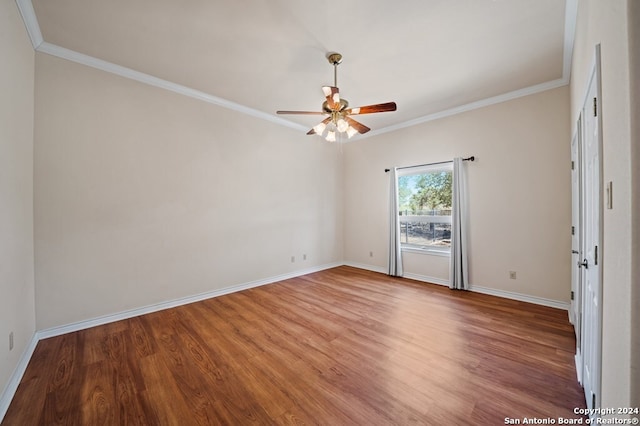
[[431, 251], [417, 170], [426, 250]]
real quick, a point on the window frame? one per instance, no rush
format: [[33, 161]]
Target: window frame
[[417, 170]]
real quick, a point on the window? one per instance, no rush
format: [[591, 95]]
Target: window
[[424, 206]]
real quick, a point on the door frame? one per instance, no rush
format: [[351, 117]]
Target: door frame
[[591, 333], [575, 311]]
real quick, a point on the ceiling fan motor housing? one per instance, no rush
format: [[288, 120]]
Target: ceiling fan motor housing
[[344, 104]]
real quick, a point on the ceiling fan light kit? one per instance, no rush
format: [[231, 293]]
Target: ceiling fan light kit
[[339, 121]]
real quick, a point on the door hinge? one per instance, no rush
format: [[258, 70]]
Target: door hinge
[[595, 107], [573, 230], [593, 400], [573, 165], [572, 295], [595, 260]]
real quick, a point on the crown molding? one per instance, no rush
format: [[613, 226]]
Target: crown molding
[[90, 61], [30, 21], [33, 29], [531, 90], [570, 20]]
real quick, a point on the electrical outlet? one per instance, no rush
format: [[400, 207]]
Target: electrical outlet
[[512, 275], [293, 259], [11, 340]]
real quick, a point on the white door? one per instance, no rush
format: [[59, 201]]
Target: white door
[[592, 248], [575, 313]]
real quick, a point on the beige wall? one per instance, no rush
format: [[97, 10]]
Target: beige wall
[[17, 312], [519, 193], [605, 23], [145, 196]]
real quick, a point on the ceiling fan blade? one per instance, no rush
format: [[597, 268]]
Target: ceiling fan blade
[[370, 109], [361, 128], [332, 94], [301, 112], [313, 129]]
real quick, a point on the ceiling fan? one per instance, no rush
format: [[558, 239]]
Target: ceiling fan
[[339, 114]]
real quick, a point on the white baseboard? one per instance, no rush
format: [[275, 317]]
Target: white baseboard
[[522, 297], [383, 270], [578, 361], [427, 279], [16, 377], [478, 289], [366, 267], [81, 325]]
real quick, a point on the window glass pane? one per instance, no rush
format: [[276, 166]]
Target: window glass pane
[[424, 204]]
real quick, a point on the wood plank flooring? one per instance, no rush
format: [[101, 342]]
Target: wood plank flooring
[[337, 347]]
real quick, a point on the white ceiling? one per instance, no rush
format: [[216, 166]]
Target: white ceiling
[[431, 57]]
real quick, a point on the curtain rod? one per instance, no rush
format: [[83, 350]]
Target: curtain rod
[[472, 158]]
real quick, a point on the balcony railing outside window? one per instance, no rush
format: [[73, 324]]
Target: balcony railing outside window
[[426, 228]]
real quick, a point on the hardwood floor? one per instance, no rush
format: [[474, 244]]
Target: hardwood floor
[[337, 347]]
